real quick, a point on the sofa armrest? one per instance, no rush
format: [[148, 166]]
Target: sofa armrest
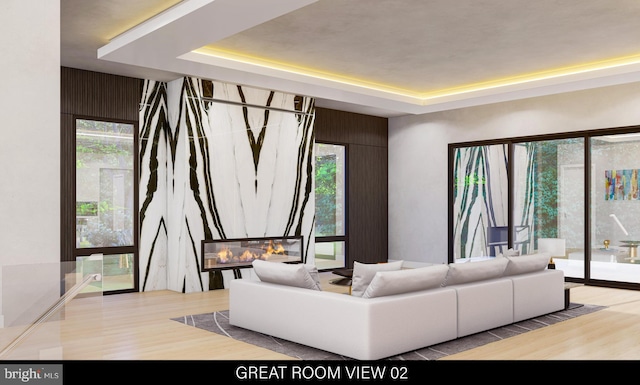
[[405, 322]]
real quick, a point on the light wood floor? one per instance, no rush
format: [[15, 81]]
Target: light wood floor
[[137, 326]]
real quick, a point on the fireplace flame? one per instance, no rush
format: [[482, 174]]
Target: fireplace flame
[[278, 249], [247, 256], [226, 256]]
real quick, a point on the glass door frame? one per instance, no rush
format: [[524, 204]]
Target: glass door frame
[[588, 183]]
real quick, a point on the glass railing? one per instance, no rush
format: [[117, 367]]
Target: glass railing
[[42, 304]]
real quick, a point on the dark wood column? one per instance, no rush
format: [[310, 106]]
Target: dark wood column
[[366, 138]]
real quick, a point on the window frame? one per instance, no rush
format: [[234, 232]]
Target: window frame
[[338, 238], [108, 250]]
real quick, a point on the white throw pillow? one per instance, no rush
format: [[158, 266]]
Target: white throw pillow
[[527, 263], [363, 273], [284, 274], [313, 272], [476, 271], [404, 281], [510, 253]]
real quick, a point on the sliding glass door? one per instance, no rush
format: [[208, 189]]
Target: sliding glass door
[[480, 201], [616, 207], [575, 196], [549, 201]]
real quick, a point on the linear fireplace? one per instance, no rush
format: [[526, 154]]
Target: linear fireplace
[[219, 254]]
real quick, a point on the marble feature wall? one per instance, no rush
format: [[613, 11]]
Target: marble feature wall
[[232, 169], [155, 145]]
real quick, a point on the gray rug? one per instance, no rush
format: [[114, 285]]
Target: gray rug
[[218, 322]]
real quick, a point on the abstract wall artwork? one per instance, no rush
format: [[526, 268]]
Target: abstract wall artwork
[[621, 185]]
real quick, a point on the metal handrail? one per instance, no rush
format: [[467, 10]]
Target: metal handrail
[[63, 300]]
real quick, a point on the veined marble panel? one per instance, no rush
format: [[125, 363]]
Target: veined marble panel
[[237, 167], [153, 186]]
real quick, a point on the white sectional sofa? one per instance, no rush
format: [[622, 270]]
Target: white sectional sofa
[[393, 310]]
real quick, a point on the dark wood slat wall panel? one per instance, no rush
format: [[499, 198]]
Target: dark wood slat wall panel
[[99, 95], [88, 94], [67, 216], [348, 127], [368, 222], [367, 138]]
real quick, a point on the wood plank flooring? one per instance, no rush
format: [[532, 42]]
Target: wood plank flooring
[[609, 334], [137, 326]]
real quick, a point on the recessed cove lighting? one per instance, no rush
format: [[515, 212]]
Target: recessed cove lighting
[[426, 96]]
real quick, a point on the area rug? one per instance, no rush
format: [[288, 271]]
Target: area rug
[[218, 322]]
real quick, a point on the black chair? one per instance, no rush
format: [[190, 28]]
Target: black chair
[[498, 236]]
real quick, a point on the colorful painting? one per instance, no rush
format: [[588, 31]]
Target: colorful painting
[[621, 185]]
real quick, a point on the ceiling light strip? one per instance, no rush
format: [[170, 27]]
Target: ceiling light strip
[[303, 71], [506, 82]]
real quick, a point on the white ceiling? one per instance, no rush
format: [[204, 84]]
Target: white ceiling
[[384, 57]]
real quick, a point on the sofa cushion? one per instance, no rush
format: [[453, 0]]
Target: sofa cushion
[[404, 281], [363, 273], [285, 274], [476, 271], [527, 263]]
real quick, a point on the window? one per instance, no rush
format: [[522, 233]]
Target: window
[[105, 200], [330, 194]]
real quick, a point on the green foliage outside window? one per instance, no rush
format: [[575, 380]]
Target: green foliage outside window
[[546, 194], [325, 192]]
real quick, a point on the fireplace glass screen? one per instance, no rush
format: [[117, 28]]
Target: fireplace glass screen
[[235, 253]]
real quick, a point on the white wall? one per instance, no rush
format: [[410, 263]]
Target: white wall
[[29, 140], [418, 223]]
